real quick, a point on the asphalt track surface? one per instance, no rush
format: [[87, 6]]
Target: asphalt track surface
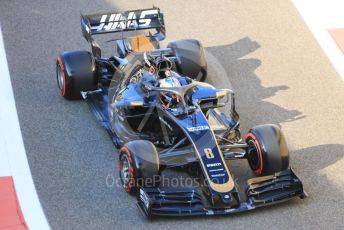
[[276, 67]]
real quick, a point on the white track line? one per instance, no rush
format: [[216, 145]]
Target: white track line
[[13, 159], [321, 16]]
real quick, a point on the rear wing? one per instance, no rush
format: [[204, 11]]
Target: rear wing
[[131, 20]]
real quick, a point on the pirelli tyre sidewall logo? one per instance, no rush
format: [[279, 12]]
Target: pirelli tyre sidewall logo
[[119, 21]]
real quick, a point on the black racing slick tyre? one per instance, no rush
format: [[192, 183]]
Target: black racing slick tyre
[[267, 151], [191, 60], [75, 72], [138, 165]]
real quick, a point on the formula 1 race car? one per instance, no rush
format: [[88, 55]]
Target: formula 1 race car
[[161, 114]]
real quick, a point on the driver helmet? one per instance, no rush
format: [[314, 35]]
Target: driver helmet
[[149, 63], [169, 100], [164, 67]]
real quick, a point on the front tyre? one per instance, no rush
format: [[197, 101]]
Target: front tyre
[[267, 151], [138, 165]]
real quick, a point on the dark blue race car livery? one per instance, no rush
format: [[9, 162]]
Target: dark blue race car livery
[[161, 114]]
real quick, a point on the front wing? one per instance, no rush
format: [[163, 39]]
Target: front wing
[[262, 191]]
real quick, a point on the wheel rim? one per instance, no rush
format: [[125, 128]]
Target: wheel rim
[[253, 155], [125, 169], [60, 78]]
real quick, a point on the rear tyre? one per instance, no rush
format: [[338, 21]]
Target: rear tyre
[[191, 60], [75, 72], [138, 165], [267, 152]]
